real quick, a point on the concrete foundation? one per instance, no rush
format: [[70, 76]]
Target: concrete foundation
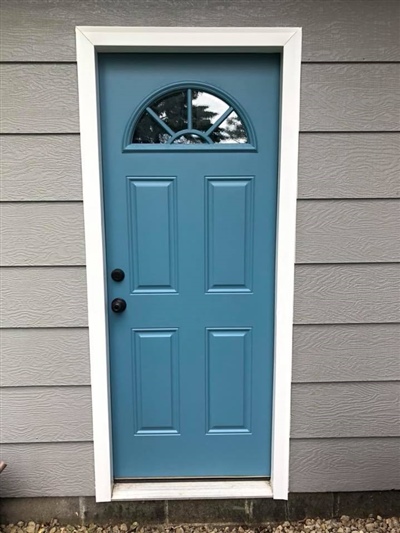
[[84, 510]]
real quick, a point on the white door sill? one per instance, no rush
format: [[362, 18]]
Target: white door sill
[[191, 490]]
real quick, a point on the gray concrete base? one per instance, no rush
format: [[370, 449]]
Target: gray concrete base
[[84, 510]]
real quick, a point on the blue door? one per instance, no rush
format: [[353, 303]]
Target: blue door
[[189, 154]]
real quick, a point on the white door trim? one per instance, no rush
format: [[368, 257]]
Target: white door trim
[[90, 41]]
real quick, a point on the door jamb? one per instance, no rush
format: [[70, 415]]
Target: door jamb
[[90, 40]]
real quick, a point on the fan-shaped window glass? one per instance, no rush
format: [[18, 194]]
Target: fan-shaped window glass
[[172, 110], [189, 116]]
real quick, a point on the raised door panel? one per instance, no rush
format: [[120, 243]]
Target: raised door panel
[[156, 381], [229, 234], [152, 234], [228, 380]]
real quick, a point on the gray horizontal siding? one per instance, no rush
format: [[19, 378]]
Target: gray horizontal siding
[[42, 234], [340, 353], [47, 167], [43, 167], [329, 294], [46, 414], [43, 297], [44, 367], [39, 98], [328, 353], [358, 231], [345, 410], [66, 469], [325, 465], [34, 357], [346, 31], [350, 97], [42, 98], [47, 469], [327, 232], [349, 165], [324, 294]]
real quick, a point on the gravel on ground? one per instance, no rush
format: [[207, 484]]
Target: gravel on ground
[[339, 525]]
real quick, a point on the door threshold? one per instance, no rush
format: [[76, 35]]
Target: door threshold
[[191, 490]]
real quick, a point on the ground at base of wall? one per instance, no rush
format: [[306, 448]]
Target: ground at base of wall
[[166, 516], [345, 524]]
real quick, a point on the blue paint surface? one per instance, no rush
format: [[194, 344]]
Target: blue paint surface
[[191, 357]]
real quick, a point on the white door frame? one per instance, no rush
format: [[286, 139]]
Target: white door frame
[[90, 41]]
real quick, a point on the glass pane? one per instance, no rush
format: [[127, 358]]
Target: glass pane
[[230, 131], [189, 138], [206, 109], [173, 110], [148, 131]]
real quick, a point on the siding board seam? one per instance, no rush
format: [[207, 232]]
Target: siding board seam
[[305, 439], [74, 62], [46, 202], [338, 62], [340, 263], [30, 443], [353, 381], [322, 199], [331, 264], [314, 324], [376, 437], [357, 199], [302, 132], [302, 199], [297, 383], [350, 324], [311, 62], [57, 386], [306, 132], [40, 134], [50, 327], [340, 132]]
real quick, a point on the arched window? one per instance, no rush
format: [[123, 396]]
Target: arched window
[[189, 116]]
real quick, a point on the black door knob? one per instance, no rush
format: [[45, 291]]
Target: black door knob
[[118, 305], [117, 274]]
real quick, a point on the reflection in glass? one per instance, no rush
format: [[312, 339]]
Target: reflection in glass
[[189, 138], [148, 131], [230, 131], [190, 116], [206, 109], [172, 110]]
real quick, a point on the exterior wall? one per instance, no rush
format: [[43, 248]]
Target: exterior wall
[[345, 422]]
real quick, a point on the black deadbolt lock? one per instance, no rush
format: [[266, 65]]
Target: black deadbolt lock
[[118, 305], [117, 274]]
